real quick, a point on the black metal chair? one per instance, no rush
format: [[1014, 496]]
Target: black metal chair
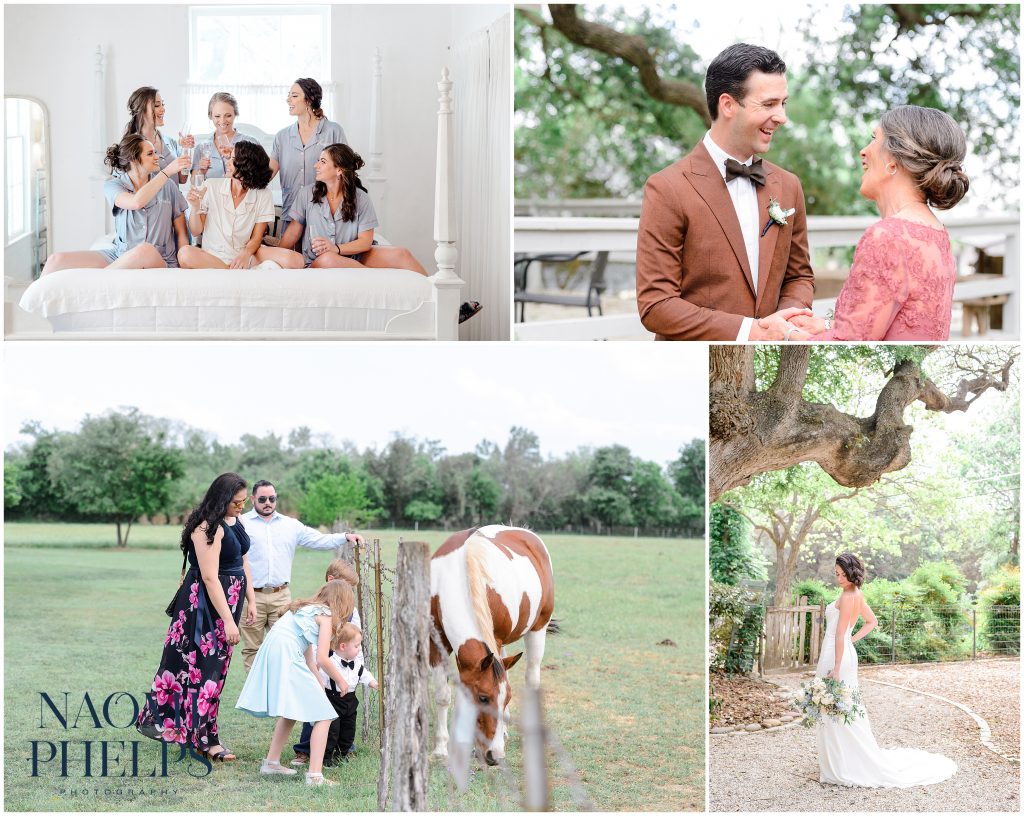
[[590, 301]]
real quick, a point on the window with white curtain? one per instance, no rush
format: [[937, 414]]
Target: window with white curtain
[[17, 167], [255, 53]]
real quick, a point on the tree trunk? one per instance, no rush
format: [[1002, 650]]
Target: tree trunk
[[122, 540], [754, 432]]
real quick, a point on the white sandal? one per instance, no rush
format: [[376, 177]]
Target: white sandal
[[318, 779], [268, 767]]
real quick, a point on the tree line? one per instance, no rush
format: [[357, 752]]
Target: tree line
[[125, 466]]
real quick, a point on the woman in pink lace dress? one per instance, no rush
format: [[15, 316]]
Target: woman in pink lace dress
[[901, 281]]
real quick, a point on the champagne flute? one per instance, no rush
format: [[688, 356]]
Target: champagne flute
[[185, 134]]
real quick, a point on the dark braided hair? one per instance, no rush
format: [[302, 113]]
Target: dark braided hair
[[348, 161], [212, 508], [314, 95], [138, 104]]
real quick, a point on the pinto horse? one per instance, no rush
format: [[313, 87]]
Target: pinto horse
[[489, 587]]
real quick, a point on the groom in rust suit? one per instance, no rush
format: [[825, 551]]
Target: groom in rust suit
[[711, 264]]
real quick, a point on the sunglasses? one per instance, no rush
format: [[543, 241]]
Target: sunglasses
[[239, 504], [266, 499]]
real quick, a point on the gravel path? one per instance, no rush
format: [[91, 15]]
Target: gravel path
[[778, 770]]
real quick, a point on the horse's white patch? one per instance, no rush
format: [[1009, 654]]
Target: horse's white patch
[[497, 746]]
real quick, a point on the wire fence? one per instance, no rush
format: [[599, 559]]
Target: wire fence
[[373, 599], [906, 633], [912, 633]]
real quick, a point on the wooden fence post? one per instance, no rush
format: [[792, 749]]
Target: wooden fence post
[[535, 767], [893, 658], [974, 633], [402, 783]]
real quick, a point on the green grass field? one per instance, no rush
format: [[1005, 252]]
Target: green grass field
[[81, 617]]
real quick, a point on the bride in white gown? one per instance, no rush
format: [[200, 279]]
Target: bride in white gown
[[848, 754]]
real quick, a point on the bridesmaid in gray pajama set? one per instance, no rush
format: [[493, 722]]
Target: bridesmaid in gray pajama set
[[148, 210]]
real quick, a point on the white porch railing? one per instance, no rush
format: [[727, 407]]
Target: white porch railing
[[544, 234]]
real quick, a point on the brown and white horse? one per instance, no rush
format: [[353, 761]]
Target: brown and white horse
[[489, 587]]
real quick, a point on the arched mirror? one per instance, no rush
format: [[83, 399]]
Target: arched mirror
[[27, 240]]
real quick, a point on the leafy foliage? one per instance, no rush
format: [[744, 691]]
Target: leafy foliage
[[815, 591], [1000, 608], [582, 130], [585, 127], [116, 468], [960, 58], [732, 556], [335, 497], [736, 618]]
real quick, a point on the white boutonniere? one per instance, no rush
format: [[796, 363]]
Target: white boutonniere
[[776, 215]]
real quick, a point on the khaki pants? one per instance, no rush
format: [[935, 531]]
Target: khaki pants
[[269, 607]]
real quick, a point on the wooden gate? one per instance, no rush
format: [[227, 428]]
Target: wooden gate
[[791, 637]]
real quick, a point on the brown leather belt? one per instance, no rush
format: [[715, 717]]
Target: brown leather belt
[[269, 589]]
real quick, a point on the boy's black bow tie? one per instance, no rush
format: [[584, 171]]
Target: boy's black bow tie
[[348, 664]]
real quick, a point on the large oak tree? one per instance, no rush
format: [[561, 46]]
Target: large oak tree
[[756, 427]]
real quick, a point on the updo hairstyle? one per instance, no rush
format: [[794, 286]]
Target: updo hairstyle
[[121, 155], [314, 95], [852, 568], [931, 146]]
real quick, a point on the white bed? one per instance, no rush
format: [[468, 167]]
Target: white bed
[[263, 304]]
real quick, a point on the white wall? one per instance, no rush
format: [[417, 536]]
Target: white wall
[[49, 55], [18, 259]]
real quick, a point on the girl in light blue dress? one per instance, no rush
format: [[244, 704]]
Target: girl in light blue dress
[[284, 680]]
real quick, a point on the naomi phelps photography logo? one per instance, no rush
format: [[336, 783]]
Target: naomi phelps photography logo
[[81, 749]]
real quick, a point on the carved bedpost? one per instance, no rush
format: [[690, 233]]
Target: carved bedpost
[[99, 136], [447, 283], [375, 164]]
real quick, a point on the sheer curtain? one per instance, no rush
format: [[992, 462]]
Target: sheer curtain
[[481, 70]]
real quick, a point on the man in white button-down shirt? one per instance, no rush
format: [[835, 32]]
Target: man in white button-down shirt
[[272, 542], [722, 242]]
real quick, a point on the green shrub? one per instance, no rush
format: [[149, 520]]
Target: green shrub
[[815, 591], [942, 586], [999, 621], [736, 620]]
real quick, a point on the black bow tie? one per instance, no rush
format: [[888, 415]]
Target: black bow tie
[[348, 664], [753, 171]]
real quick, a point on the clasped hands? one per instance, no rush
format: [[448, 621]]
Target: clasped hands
[[794, 323]]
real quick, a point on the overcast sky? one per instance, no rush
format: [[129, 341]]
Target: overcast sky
[[650, 397]]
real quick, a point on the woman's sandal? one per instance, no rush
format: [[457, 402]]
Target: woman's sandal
[[223, 755], [468, 309], [318, 779]]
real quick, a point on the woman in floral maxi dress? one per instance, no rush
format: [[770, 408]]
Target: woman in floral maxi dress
[[185, 696]]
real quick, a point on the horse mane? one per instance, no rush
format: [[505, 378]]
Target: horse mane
[[477, 577]]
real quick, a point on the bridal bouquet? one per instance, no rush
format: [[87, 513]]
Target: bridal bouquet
[[823, 696]]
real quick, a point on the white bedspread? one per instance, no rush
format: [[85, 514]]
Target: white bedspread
[[211, 300]]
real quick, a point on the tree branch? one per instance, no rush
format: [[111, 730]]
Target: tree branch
[[752, 433], [633, 49]]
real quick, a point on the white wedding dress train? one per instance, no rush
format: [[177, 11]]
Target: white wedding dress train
[[848, 754]]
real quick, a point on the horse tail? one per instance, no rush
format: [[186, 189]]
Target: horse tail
[[478, 578]]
